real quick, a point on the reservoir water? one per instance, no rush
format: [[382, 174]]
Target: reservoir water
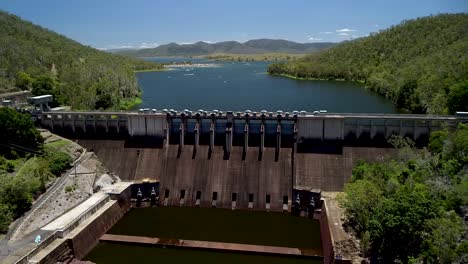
[[239, 86], [209, 224]]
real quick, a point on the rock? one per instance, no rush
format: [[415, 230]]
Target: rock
[[103, 181]]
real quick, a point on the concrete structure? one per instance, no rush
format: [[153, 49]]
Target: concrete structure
[[41, 102], [210, 245], [243, 129], [15, 98], [238, 160], [77, 231]]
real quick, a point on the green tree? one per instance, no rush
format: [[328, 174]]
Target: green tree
[[59, 162], [436, 141], [445, 241], [359, 199], [6, 217], [458, 97], [15, 194], [24, 81], [44, 84], [410, 209], [18, 128]]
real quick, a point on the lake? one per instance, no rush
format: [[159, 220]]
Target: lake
[[240, 86]]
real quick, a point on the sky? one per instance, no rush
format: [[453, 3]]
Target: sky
[[111, 24]]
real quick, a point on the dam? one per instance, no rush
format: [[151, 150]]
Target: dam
[[244, 160], [256, 169]]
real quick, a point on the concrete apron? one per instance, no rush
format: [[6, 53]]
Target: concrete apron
[[78, 231]]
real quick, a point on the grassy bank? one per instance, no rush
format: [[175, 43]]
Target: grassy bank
[[130, 103]]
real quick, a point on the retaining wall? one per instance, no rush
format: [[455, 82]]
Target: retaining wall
[[86, 237], [327, 241]]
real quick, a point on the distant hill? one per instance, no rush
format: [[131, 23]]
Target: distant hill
[[37, 59], [256, 46], [421, 64]]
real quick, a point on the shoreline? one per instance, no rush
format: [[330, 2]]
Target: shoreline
[[151, 70], [314, 79], [193, 65]]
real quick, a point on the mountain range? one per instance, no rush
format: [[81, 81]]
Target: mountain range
[[255, 46]]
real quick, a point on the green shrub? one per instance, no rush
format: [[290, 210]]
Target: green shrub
[[6, 217], [59, 162], [69, 188]]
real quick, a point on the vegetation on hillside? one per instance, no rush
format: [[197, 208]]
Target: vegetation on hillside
[[255, 46], [411, 209], [26, 164], [252, 57], [34, 58], [421, 65]]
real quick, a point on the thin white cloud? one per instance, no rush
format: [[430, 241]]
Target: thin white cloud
[[184, 43], [345, 30], [145, 45], [343, 34], [114, 46], [376, 25], [208, 41], [326, 32], [314, 39]]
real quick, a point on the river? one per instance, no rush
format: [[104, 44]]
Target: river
[[240, 86]]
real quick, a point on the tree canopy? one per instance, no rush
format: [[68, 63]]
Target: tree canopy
[[26, 166], [411, 208], [421, 65], [18, 128], [37, 59]]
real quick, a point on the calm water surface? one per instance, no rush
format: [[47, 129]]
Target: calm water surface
[[221, 225], [208, 224], [239, 86]]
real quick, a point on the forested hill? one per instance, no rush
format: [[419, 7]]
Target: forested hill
[[43, 61], [255, 46], [421, 64]]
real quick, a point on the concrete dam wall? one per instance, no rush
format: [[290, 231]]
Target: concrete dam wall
[[184, 173], [238, 160]]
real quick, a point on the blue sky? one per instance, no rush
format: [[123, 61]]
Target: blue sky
[[145, 23]]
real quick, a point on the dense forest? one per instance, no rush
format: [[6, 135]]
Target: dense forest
[[27, 165], [421, 65], [43, 61], [413, 208]]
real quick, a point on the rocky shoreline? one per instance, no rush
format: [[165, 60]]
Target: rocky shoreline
[[193, 65]]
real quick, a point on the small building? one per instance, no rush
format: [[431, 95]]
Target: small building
[[15, 98], [41, 101]]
